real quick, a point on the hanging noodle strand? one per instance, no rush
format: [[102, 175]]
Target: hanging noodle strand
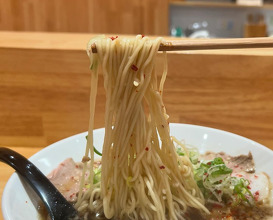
[[142, 176]]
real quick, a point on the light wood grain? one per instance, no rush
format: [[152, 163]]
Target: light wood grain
[[78, 42], [96, 16], [219, 44], [211, 44], [44, 92]]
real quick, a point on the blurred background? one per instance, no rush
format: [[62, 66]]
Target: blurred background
[[190, 18]]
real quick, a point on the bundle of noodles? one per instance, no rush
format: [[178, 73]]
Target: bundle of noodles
[[142, 176]]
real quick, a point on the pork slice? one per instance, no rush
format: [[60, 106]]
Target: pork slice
[[66, 178], [243, 167], [238, 163]]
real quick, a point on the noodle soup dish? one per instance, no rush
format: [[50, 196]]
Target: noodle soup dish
[[17, 204]]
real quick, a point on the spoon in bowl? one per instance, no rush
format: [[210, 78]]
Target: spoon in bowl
[[57, 206]]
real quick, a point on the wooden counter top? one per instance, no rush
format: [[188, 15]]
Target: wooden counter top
[[45, 84], [70, 41]]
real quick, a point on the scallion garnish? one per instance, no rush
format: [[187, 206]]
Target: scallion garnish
[[95, 150]]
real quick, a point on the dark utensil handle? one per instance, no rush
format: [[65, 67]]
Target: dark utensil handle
[[58, 207]]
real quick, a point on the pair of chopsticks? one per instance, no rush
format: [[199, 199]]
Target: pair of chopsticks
[[213, 44]]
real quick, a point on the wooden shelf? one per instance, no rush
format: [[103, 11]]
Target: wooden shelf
[[216, 4]]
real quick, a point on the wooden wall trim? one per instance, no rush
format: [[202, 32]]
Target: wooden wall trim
[[83, 16]]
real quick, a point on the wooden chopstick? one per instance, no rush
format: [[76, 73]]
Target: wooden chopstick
[[212, 44]]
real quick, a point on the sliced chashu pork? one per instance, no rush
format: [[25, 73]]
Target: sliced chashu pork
[[243, 166]]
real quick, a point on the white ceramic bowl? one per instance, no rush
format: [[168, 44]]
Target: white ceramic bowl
[[17, 205]]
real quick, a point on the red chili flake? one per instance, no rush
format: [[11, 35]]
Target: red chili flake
[[142, 35], [239, 175], [209, 163], [248, 187], [217, 206], [146, 148], [205, 173], [26, 201], [218, 191], [77, 166], [162, 167], [134, 67], [256, 195], [113, 38], [220, 181], [255, 176], [236, 166], [72, 195]]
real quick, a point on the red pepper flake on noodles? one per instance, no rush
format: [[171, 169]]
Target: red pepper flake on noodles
[[162, 167], [113, 38], [134, 67]]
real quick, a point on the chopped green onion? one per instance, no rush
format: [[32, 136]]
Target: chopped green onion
[[97, 176], [179, 151], [194, 154], [215, 181], [219, 170], [95, 150]]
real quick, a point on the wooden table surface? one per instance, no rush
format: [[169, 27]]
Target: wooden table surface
[[45, 84]]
